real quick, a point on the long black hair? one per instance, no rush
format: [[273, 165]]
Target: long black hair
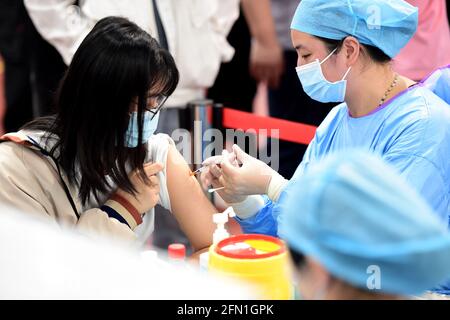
[[115, 63]]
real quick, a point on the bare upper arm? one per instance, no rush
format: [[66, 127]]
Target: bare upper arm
[[191, 207]]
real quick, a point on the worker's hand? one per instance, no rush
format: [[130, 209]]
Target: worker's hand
[[207, 176], [211, 175], [147, 193], [266, 62], [253, 177]]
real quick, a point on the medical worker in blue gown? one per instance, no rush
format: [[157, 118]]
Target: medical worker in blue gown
[[344, 52], [354, 233]]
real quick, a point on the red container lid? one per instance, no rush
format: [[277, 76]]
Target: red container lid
[[249, 253], [177, 251]]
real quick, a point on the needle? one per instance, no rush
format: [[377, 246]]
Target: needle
[[217, 161], [193, 173], [201, 169]]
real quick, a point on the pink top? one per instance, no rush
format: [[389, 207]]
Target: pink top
[[429, 49]]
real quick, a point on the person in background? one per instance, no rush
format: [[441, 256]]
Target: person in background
[[357, 230], [33, 68], [97, 166], [194, 32], [429, 49], [258, 57], [448, 13]]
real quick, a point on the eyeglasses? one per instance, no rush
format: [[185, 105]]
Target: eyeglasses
[[157, 102], [160, 100]]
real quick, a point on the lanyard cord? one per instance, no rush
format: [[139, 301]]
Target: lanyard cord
[[66, 189]]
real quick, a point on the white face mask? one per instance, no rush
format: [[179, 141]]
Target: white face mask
[[317, 86]]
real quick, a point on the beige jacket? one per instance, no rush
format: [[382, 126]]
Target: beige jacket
[[29, 181]]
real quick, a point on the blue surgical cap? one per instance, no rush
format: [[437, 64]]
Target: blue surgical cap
[[354, 214], [385, 24]]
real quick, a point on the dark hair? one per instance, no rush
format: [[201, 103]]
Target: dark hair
[[374, 53], [115, 63], [298, 258]]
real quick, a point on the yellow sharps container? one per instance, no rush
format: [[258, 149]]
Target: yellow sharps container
[[257, 259]]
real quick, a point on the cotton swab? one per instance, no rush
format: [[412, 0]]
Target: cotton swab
[[216, 189]]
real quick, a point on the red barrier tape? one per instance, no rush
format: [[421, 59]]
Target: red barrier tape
[[288, 130]]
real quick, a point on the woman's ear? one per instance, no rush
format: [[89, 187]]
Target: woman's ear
[[351, 49]]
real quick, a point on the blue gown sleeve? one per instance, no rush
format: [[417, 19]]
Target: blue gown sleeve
[[263, 222]]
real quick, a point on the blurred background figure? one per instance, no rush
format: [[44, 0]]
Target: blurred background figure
[[193, 31], [429, 49], [357, 230], [234, 86], [32, 67]]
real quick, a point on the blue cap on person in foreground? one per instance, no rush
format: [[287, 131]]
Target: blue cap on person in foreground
[[352, 212]]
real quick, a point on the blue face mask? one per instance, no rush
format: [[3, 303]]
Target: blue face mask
[[317, 86], [150, 125]]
